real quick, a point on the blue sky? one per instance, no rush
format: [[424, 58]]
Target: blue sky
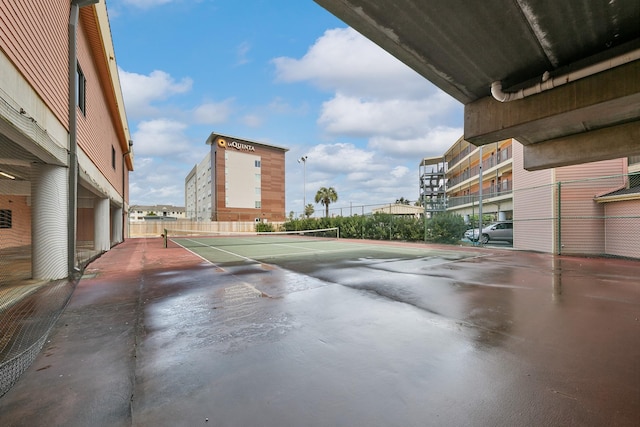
[[281, 72]]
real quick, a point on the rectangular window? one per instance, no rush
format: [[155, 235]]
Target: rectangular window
[[5, 218], [258, 204], [257, 163], [113, 157], [81, 93]]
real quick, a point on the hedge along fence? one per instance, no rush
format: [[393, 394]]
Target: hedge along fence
[[442, 228]]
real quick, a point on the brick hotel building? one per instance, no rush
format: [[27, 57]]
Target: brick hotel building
[[238, 180]]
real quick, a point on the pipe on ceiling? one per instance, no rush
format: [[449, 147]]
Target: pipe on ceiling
[[548, 82]]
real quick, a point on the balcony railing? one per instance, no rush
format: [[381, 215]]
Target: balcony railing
[[487, 193], [491, 161]]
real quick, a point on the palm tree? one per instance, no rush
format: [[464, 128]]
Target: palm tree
[[308, 210], [326, 196]]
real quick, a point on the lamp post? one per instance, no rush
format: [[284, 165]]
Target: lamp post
[[303, 160]]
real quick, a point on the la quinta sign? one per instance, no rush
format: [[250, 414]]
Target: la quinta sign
[[235, 144]]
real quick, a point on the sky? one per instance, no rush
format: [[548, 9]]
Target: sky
[[280, 72]]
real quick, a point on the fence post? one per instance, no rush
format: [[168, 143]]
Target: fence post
[[559, 213]]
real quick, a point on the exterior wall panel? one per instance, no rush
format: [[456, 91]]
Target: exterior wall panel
[[533, 206], [96, 130], [622, 228], [34, 36], [582, 219], [20, 232]]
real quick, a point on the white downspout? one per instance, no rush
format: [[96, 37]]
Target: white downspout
[[73, 127], [549, 83]]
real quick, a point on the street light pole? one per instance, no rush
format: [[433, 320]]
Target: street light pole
[[303, 160]]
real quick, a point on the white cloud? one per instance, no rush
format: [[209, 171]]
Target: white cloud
[[398, 118], [399, 172], [141, 91], [345, 61], [339, 158], [212, 113], [352, 170], [157, 182], [401, 115], [242, 52], [432, 142], [160, 137], [252, 120]]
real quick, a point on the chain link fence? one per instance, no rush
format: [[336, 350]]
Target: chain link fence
[[28, 312], [597, 216]]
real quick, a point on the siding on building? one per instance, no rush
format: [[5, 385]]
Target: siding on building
[[34, 36], [582, 226], [96, 130], [533, 206], [559, 204], [619, 231], [34, 84]]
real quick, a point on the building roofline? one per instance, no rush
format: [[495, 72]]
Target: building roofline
[[432, 160], [97, 20], [215, 135], [632, 193]]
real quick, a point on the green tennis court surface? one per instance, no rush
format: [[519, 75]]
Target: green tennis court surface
[[279, 248]]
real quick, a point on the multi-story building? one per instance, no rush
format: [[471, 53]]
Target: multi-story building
[[465, 163], [238, 180], [156, 212], [592, 208], [65, 149]]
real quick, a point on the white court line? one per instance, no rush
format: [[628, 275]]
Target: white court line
[[218, 249], [372, 247]]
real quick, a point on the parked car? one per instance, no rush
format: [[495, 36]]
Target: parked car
[[497, 231]]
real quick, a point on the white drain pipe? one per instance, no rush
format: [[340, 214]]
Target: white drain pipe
[[73, 129], [549, 83]]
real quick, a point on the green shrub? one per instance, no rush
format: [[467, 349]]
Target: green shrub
[[262, 227], [445, 228], [442, 228]]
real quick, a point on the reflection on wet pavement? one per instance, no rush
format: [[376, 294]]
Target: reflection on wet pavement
[[384, 339]]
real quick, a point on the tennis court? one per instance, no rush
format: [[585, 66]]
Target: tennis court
[[319, 331], [286, 248], [411, 332]]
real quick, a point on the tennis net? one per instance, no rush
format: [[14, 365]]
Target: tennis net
[[190, 238]]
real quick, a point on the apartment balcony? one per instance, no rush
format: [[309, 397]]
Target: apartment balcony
[[473, 172], [490, 194]]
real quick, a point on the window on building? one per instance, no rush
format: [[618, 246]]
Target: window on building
[[81, 93], [258, 204], [113, 157], [5, 218], [257, 163]]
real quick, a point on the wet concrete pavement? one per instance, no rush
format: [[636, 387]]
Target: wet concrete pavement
[[156, 337]]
